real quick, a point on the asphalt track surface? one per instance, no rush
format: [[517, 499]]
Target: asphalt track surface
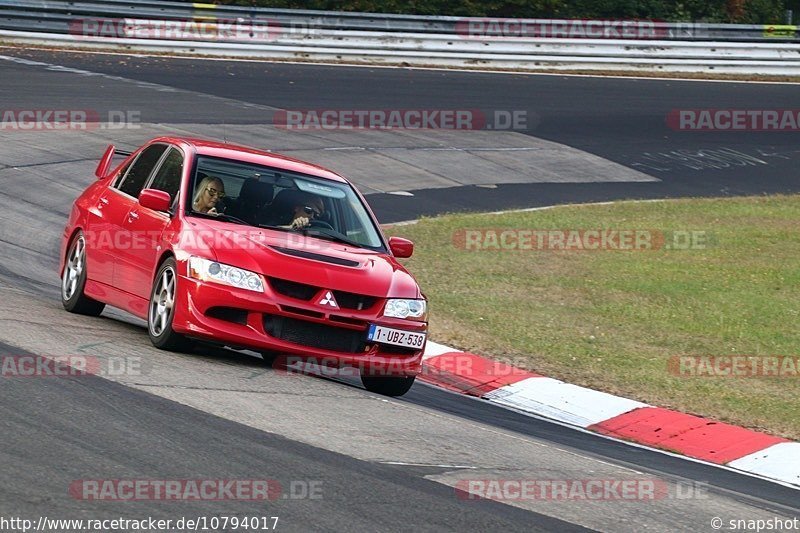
[[46, 449], [386, 465]]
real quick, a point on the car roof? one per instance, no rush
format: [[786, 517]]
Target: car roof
[[253, 156]]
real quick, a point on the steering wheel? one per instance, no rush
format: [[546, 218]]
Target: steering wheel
[[315, 223]]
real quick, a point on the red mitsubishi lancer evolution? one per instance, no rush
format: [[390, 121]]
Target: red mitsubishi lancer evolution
[[247, 249]]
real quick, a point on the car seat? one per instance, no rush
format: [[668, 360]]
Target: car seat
[[253, 196]]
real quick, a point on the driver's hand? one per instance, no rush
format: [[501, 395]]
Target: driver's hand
[[212, 211], [300, 222]]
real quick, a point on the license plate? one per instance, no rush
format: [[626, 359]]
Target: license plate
[[396, 337]]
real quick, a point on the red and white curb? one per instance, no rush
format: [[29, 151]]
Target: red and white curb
[[692, 436]]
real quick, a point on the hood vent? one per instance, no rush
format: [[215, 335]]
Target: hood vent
[[316, 257]]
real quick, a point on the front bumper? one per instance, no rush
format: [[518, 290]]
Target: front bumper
[[300, 329]]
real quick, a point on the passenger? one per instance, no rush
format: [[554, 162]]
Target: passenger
[[210, 191]]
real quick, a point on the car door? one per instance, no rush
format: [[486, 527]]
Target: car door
[[104, 215], [122, 197], [143, 227]]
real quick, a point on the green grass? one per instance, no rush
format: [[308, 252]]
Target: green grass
[[611, 320]]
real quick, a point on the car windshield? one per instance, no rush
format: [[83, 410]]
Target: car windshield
[[265, 197]]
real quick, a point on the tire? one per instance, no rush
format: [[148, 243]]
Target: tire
[[161, 309], [268, 358], [73, 281], [387, 386]]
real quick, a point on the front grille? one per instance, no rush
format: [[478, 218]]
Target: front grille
[[350, 300], [292, 289], [301, 291], [315, 335]]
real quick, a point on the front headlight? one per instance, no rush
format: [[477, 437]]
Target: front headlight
[[206, 270], [397, 308]]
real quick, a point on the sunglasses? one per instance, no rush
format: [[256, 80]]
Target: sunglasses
[[214, 192], [312, 211]]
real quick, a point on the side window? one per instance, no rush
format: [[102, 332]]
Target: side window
[[121, 174], [136, 177], [168, 177]]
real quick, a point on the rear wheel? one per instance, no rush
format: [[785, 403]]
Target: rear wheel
[[161, 310], [73, 281], [387, 386]]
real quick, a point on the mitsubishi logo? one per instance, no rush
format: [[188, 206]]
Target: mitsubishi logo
[[329, 300]]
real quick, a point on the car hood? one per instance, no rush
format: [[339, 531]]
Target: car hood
[[295, 257]]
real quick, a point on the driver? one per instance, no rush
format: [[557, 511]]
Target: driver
[[305, 210], [293, 209]]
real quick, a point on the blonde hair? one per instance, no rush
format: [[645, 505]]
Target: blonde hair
[[203, 185]]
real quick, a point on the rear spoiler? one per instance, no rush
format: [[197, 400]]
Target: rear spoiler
[[105, 162]]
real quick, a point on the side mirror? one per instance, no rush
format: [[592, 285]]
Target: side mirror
[[400, 247], [105, 163], [155, 199]]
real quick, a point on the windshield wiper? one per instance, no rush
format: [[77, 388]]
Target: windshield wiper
[[278, 228], [322, 234], [221, 216]]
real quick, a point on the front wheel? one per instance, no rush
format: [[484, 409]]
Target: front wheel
[[162, 309], [73, 281], [387, 386]]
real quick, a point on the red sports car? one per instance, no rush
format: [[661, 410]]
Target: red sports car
[[246, 249]]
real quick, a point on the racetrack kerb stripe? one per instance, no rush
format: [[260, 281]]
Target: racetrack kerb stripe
[[692, 436], [471, 374], [689, 435]]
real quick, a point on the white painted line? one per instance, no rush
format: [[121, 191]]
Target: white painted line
[[432, 349], [542, 208], [779, 461], [561, 401], [400, 463]]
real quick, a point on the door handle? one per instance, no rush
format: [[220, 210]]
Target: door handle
[[133, 216], [103, 203]]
